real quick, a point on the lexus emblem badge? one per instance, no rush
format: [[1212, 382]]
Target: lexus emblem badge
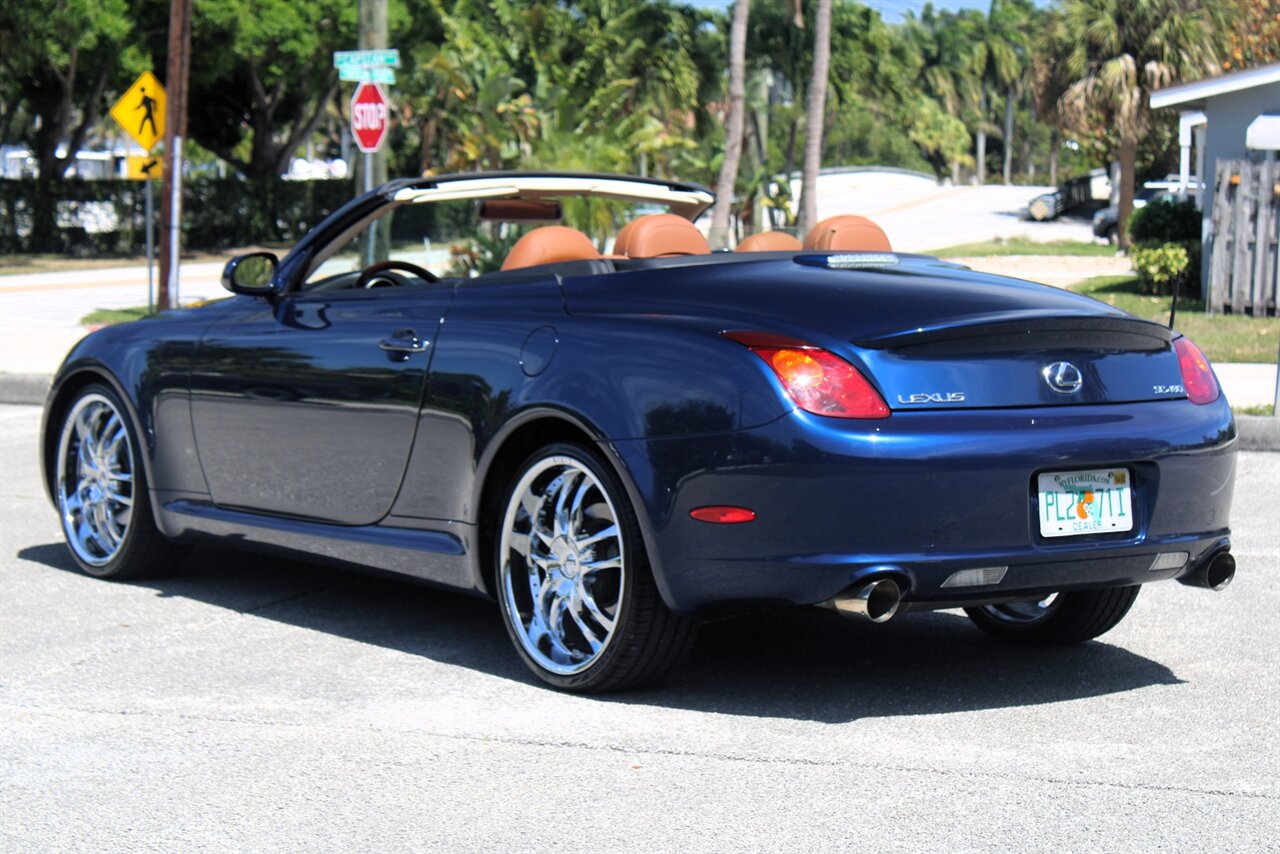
[[1063, 377]]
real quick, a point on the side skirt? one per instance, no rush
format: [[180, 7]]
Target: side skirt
[[437, 557]]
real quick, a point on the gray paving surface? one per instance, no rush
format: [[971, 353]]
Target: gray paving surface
[[257, 705]]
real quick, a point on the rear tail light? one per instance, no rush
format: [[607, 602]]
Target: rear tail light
[[819, 381], [1197, 376]]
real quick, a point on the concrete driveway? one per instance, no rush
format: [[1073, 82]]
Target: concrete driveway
[[251, 704]]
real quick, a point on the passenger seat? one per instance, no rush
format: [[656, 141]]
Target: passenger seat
[[847, 233], [770, 241], [660, 236], [550, 244]]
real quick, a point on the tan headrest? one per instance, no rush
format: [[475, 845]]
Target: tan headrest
[[847, 233], [770, 241], [660, 235], [548, 245]]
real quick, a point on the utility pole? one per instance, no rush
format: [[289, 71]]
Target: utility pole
[[373, 36], [175, 131]]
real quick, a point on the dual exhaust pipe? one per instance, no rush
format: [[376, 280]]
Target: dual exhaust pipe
[[876, 601], [880, 599], [1213, 574]]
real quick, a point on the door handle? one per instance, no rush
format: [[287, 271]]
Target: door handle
[[404, 341]]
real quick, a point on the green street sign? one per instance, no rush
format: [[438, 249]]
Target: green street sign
[[365, 73], [366, 58]]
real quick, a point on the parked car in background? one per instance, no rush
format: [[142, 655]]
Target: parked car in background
[[1105, 221]]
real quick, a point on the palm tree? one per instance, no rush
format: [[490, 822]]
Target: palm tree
[[814, 122], [1011, 18], [1124, 49], [995, 61], [945, 43], [1048, 77], [735, 120]]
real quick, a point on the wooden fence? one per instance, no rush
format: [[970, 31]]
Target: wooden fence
[[1245, 229]]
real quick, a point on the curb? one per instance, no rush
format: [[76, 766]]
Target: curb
[[1257, 432], [24, 388]]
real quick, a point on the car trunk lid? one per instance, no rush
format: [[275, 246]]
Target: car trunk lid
[[1002, 361]]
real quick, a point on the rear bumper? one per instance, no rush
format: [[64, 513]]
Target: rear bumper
[[920, 495]]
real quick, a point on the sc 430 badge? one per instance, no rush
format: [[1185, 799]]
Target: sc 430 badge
[[933, 397]]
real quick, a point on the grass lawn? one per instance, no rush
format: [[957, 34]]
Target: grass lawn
[[1022, 246], [1222, 337], [16, 264], [109, 316]]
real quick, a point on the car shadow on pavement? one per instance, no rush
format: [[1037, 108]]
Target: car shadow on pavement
[[799, 663], [813, 664]]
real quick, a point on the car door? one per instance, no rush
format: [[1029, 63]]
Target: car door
[[307, 406]]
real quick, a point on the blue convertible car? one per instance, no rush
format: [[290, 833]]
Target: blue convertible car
[[446, 382]]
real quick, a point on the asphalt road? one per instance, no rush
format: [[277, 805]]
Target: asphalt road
[[257, 705]]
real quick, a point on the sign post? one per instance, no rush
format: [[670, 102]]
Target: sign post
[[369, 110], [140, 112]]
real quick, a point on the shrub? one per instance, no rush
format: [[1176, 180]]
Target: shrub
[[1165, 221], [1159, 265], [1162, 232], [87, 218]]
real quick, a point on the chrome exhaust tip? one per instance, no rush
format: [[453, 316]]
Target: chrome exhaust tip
[[1213, 574], [876, 601]]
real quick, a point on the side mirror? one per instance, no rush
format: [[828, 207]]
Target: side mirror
[[250, 274]]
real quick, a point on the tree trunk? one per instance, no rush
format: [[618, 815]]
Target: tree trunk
[[789, 164], [1008, 136], [426, 163], [981, 153], [1128, 154], [817, 111], [955, 172], [1053, 158], [733, 122]]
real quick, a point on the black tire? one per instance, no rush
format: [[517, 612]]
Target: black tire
[[1112, 235], [646, 639], [1073, 617], [141, 549]]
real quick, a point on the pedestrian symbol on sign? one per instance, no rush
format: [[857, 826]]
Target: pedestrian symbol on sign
[[149, 105]]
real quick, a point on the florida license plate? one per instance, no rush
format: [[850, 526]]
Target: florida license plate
[[1073, 503]]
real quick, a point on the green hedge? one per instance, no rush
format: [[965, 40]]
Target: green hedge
[[87, 218], [1166, 245]]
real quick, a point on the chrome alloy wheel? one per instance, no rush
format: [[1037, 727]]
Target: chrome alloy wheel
[[95, 477], [1023, 613], [563, 565]]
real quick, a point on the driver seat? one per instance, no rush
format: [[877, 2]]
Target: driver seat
[[550, 244]]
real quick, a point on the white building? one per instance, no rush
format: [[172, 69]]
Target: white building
[[1233, 116]]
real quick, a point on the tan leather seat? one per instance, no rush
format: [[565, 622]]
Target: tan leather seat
[[660, 236], [549, 245], [770, 241], [847, 233]]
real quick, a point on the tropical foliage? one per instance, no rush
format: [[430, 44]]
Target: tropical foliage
[[1026, 90]]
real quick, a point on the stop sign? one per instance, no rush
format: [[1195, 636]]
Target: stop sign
[[369, 110]]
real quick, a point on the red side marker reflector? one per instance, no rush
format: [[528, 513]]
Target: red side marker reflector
[[722, 514]]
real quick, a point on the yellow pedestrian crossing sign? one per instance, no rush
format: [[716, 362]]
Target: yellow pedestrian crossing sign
[[146, 167], [140, 110]]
